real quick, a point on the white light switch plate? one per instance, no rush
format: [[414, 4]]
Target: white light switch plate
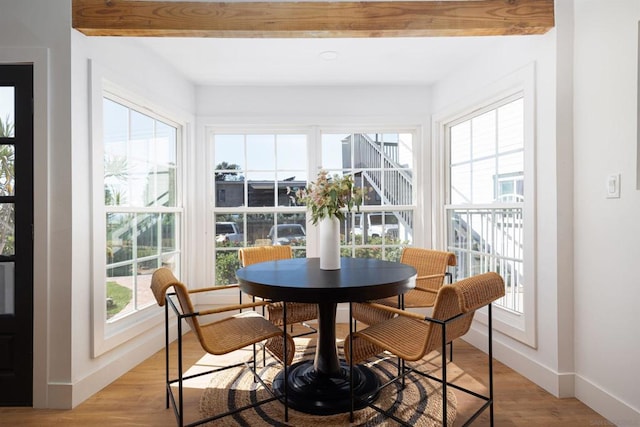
[[613, 186]]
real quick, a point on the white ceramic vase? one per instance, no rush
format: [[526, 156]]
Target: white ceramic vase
[[329, 233]]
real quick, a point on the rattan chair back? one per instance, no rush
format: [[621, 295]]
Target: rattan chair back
[[411, 337], [257, 254]]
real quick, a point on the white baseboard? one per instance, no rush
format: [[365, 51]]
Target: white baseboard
[[610, 407], [70, 395]]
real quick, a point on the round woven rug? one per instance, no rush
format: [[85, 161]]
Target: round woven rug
[[419, 403]]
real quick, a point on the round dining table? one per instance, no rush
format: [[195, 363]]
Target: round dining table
[[321, 385]]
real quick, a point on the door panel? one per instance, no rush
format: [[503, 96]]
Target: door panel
[[16, 235]]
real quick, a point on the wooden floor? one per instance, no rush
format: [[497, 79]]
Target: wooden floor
[[137, 398]]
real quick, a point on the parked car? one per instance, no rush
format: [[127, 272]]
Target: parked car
[[374, 225], [228, 232], [287, 234]]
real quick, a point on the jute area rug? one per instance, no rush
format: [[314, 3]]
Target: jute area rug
[[419, 403]]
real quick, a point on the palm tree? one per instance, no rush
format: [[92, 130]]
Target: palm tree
[[6, 128]]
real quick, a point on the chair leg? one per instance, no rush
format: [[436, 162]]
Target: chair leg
[[180, 379], [444, 374], [286, 373], [166, 353], [352, 324], [490, 353]]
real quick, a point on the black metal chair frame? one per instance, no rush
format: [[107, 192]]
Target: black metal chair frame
[[178, 407], [404, 370]]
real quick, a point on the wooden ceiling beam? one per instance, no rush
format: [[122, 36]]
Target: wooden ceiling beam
[[313, 18]]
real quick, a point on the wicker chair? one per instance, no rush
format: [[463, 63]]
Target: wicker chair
[[431, 266], [218, 337], [411, 336], [296, 312]]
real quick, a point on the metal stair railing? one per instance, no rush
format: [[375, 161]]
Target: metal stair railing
[[383, 173]]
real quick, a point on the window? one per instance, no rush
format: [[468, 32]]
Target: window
[[382, 164], [252, 174], [141, 203], [486, 193], [487, 149], [255, 176]]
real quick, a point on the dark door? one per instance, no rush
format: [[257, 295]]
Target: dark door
[[16, 235]]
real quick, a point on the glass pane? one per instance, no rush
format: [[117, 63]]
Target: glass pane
[[229, 193], [147, 234], [261, 189], [291, 152], [511, 126], [7, 288], [258, 229], [226, 262], [7, 229], [483, 131], [140, 158], [289, 230], [261, 153], [144, 295], [229, 154], [7, 111], [288, 183], [168, 232], [483, 182], [119, 292], [7, 170], [461, 184], [336, 151], [461, 142], [119, 238], [230, 230]]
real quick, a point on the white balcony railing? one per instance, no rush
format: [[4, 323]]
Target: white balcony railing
[[489, 239]]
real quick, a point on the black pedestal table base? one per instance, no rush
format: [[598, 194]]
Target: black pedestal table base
[[315, 393]]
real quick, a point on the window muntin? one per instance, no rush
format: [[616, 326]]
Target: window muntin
[[382, 165], [486, 195], [255, 176], [141, 203]]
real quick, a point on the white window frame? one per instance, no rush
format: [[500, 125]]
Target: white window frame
[[314, 148], [108, 335], [521, 327]]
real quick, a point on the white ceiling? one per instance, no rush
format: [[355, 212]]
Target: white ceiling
[[359, 61]]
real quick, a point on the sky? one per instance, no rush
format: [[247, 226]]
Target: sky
[[6, 103]]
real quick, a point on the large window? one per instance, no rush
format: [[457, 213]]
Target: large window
[[255, 176], [485, 147], [142, 208], [382, 164], [486, 194]]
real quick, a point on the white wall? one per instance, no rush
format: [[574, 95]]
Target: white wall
[[539, 363], [39, 31], [607, 291], [136, 70]]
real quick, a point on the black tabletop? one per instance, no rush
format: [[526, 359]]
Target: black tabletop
[[302, 280]]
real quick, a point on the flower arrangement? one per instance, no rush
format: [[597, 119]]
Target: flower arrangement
[[329, 195]]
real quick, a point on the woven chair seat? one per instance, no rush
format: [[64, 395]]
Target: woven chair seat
[[384, 335], [239, 331], [410, 336], [431, 267], [219, 337], [297, 312]]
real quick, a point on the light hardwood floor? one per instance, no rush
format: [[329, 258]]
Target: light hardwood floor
[[137, 398]]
